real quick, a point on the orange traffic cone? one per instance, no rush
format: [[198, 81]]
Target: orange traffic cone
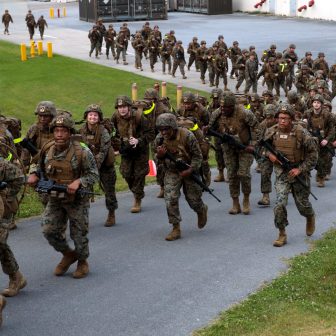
[[152, 168]]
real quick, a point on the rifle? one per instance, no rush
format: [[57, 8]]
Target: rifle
[[318, 135], [27, 144], [285, 163], [181, 165], [46, 186], [3, 185], [230, 140]]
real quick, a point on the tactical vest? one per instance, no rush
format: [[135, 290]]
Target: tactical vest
[[317, 122], [61, 171], [41, 137], [127, 127], [290, 144], [178, 146], [235, 125]]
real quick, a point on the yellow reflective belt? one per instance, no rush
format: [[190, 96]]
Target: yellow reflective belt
[[248, 107], [150, 110], [17, 140], [194, 128], [9, 157], [83, 145]]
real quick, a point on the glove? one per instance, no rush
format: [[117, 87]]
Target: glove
[[187, 172], [161, 152]]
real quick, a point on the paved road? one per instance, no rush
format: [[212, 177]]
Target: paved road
[[140, 284]]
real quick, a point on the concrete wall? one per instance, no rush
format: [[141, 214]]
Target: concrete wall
[[322, 9]]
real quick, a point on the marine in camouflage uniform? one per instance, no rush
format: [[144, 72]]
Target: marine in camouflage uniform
[[202, 59], [154, 109], [219, 155], [291, 58], [303, 79], [135, 134], [332, 76], [41, 24], [182, 145], [13, 177], [265, 165], [270, 71], [110, 36], [256, 107], [139, 46], [153, 46], [69, 163], [211, 65], [320, 123], [231, 118], [194, 116], [94, 36], [192, 50], [240, 67], [121, 44], [234, 53], [31, 24], [221, 68], [98, 139], [102, 30], [165, 52], [251, 72], [178, 59], [321, 64], [300, 148]]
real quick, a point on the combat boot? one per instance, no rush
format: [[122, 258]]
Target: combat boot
[[12, 224], [220, 177], [203, 81], [125, 63], [202, 217], [160, 193], [310, 225], [175, 233], [82, 269], [226, 88], [235, 207], [68, 259], [320, 182], [110, 221], [184, 77], [16, 282], [327, 177], [246, 204], [136, 206], [265, 200], [282, 239], [2, 307]]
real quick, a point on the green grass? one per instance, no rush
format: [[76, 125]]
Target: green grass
[[301, 302], [72, 85]]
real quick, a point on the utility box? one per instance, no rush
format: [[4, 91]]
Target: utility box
[[210, 7], [122, 10]]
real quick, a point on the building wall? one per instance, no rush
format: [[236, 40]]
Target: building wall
[[322, 9]]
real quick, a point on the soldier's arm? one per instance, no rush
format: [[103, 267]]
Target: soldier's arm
[[330, 128], [148, 133], [105, 144], [89, 173], [253, 123], [195, 152], [14, 177], [310, 153]]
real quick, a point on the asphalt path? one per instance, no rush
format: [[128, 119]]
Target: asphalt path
[[139, 284]]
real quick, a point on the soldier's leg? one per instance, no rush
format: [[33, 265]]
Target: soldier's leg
[[211, 75], [141, 169], [269, 85], [233, 70], [169, 64], [108, 47], [244, 174], [224, 75], [322, 166], [98, 46], [232, 165], [181, 66], [54, 223], [254, 86], [191, 60], [6, 28], [163, 61], [217, 75], [277, 87], [92, 48], [203, 71], [266, 169], [78, 214], [172, 193], [108, 180], [248, 84], [124, 55], [301, 197], [241, 78], [151, 62], [113, 49], [118, 54], [282, 188], [137, 60], [8, 262], [333, 89], [175, 65]]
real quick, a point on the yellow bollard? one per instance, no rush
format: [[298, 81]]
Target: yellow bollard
[[49, 50], [178, 96], [64, 11], [134, 92], [23, 52], [32, 49], [40, 48], [164, 89], [51, 12]]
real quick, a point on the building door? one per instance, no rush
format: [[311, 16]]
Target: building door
[[292, 7]]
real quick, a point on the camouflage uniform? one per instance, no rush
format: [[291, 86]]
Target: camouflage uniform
[[251, 72], [178, 59], [270, 71], [134, 160], [102, 30], [121, 44], [332, 76], [234, 53], [184, 146], [75, 162], [192, 50], [240, 67], [110, 36], [165, 52], [221, 68], [31, 24], [321, 125], [153, 49], [243, 126], [291, 58], [300, 148], [139, 46], [98, 140], [6, 19], [94, 36], [303, 80], [211, 65], [14, 178], [41, 24], [321, 64], [202, 59]]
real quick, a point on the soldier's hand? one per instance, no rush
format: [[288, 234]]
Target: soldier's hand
[[187, 172], [294, 172], [161, 152], [249, 149], [73, 187], [205, 129], [33, 180]]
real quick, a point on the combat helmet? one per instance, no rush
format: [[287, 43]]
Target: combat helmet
[[93, 108], [267, 93], [254, 97], [292, 46], [321, 54], [123, 101], [63, 120], [286, 109], [151, 94], [273, 46], [188, 97], [46, 108], [216, 93], [269, 110], [227, 99], [292, 96], [166, 120], [319, 98]]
